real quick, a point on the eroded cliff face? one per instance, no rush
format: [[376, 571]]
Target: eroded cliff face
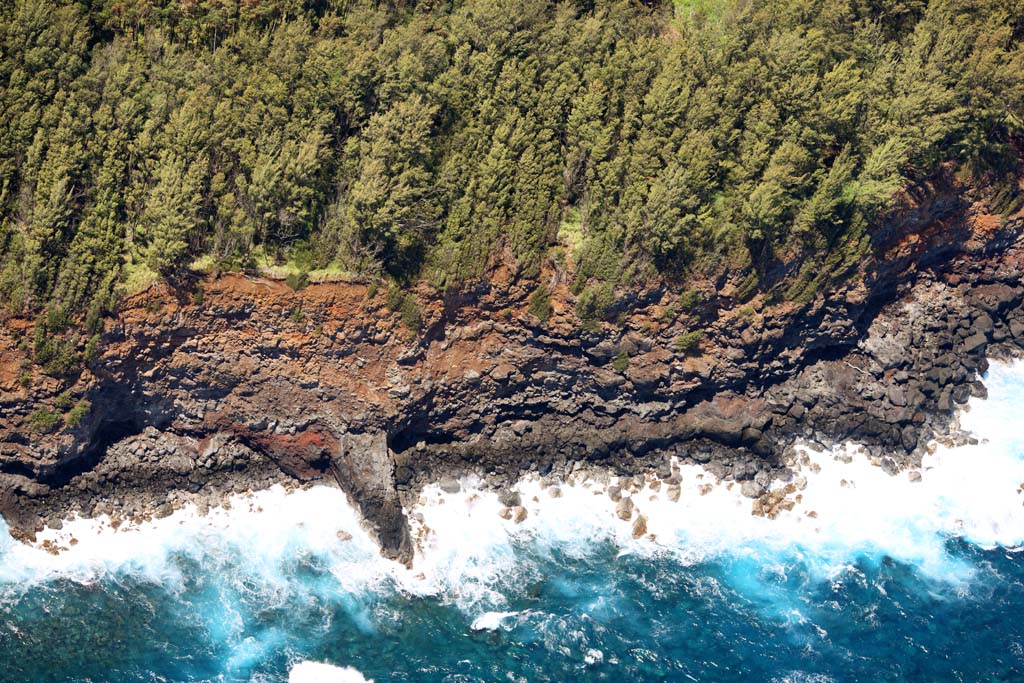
[[260, 383]]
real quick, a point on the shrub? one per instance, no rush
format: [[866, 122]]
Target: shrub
[[593, 304], [540, 304], [93, 318], [56, 355], [688, 341], [690, 299], [63, 401], [395, 297], [56, 319], [298, 280], [43, 421], [75, 415], [621, 362], [297, 316], [411, 314], [405, 305], [92, 348]]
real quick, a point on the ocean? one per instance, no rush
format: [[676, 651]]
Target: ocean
[[868, 578]]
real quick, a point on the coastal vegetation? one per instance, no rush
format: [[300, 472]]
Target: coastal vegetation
[[418, 140]]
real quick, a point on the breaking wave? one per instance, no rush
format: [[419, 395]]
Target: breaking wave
[[287, 586]]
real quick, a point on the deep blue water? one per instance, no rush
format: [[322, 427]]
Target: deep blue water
[[650, 619], [892, 582]]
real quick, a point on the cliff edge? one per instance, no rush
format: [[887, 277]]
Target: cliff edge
[[232, 382]]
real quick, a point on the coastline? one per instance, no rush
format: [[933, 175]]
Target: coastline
[[198, 402], [827, 509], [496, 581]]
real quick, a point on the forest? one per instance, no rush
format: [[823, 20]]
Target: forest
[[411, 141]]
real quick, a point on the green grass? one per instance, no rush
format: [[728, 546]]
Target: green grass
[[204, 264], [136, 278], [570, 232], [268, 267], [711, 9]]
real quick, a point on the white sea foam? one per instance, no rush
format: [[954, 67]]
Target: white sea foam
[[262, 529], [317, 672], [849, 509], [468, 554], [491, 621]]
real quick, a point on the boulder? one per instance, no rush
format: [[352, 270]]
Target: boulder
[[509, 498], [909, 437], [450, 485], [639, 526], [624, 510], [973, 342], [751, 489]]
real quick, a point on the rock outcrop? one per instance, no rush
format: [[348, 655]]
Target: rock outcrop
[[259, 383], [365, 469]]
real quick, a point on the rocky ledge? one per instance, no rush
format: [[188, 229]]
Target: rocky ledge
[[233, 382]]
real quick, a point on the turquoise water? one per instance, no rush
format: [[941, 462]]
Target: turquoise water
[[649, 620], [930, 587]]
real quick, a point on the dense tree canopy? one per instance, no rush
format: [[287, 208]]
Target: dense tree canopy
[[414, 139]]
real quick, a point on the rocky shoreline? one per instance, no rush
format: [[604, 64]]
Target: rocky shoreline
[[259, 384]]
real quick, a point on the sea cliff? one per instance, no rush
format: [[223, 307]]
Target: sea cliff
[[214, 384]]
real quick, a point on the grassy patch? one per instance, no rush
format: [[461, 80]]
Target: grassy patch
[[570, 232], [204, 264], [137, 277]]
